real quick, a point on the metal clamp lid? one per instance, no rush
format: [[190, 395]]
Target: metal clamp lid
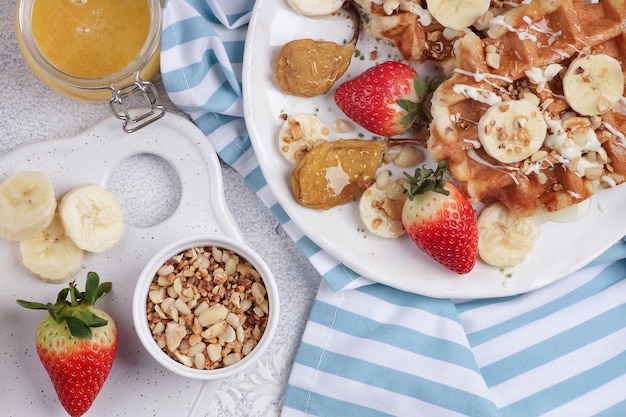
[[128, 103]]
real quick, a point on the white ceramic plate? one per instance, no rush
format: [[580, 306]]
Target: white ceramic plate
[[562, 248], [137, 384]]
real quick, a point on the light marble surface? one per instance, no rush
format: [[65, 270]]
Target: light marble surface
[[30, 112]]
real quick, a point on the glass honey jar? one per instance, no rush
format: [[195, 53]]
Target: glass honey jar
[[95, 50]]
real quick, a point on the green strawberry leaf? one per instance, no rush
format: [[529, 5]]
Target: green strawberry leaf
[[78, 318], [104, 288], [421, 88], [63, 295], [407, 105], [426, 114], [56, 310], [89, 318], [78, 328], [75, 295], [425, 180], [412, 110], [33, 305], [435, 82], [91, 288]]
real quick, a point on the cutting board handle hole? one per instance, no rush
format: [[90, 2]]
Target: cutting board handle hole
[[148, 188]]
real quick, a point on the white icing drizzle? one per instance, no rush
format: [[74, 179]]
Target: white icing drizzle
[[564, 55], [478, 94], [542, 27], [336, 178], [389, 6], [621, 139], [609, 181], [474, 143], [537, 166], [540, 76], [454, 118], [514, 5], [522, 34], [482, 76], [573, 148], [502, 168]]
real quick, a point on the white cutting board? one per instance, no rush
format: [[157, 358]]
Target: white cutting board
[[137, 385]]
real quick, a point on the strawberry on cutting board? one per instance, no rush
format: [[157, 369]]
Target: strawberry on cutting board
[[440, 220], [76, 343], [385, 99]]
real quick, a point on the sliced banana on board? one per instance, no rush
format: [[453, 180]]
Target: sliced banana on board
[[27, 204], [504, 237], [593, 84], [513, 130], [51, 255], [92, 217], [313, 8], [380, 208], [299, 134], [457, 14]]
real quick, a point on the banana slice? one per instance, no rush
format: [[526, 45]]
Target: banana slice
[[593, 84], [457, 14], [513, 130], [313, 8], [51, 255], [92, 217], [27, 204], [380, 207], [299, 134], [504, 237]]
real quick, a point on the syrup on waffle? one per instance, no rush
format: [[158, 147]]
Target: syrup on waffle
[[418, 36], [527, 51]]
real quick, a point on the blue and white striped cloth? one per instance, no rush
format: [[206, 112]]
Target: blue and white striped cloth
[[371, 350]]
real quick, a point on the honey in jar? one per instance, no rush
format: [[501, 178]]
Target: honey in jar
[[86, 48]]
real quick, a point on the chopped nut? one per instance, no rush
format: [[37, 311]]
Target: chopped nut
[[228, 335], [215, 330], [594, 173], [207, 307], [248, 346], [212, 315], [231, 359], [258, 292], [215, 352], [493, 59], [199, 361], [408, 156], [165, 270], [539, 155], [157, 296], [174, 334]]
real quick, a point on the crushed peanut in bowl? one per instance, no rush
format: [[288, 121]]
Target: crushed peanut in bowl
[[206, 307]]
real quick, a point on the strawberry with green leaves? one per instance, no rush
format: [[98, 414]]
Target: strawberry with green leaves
[[440, 220], [76, 343], [385, 99]]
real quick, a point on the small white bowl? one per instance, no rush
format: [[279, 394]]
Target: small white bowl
[[140, 298]]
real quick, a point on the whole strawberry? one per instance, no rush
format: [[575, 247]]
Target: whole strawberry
[[384, 99], [76, 343], [440, 220]]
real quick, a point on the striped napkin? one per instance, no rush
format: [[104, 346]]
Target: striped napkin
[[371, 350]]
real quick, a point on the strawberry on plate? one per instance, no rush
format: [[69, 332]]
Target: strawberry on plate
[[76, 343], [440, 220], [385, 99]]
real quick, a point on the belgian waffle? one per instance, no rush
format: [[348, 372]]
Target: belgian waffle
[[409, 26], [520, 42]]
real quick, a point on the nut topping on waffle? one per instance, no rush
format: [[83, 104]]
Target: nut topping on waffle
[[534, 112]]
